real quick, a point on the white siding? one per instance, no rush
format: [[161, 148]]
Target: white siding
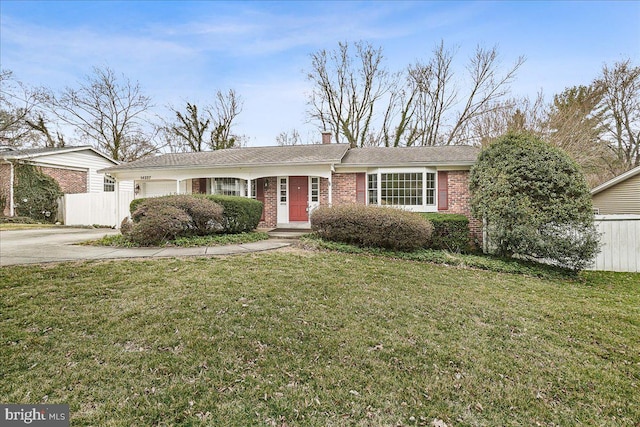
[[84, 160]]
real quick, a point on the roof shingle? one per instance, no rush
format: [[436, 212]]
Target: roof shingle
[[401, 156], [248, 156]]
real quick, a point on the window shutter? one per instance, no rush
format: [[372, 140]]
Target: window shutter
[[443, 190], [361, 188]]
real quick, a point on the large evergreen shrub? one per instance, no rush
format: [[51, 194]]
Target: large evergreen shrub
[[35, 193], [535, 201], [372, 226]]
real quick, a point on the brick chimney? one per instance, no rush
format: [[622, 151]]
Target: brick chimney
[[326, 137]]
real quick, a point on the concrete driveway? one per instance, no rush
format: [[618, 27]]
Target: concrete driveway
[[59, 244]]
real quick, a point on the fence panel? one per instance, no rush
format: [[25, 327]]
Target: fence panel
[[96, 208], [620, 240]]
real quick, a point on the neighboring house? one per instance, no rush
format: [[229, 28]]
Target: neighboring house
[[74, 168], [620, 195], [292, 181]]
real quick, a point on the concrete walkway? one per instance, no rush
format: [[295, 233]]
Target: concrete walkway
[[59, 244]]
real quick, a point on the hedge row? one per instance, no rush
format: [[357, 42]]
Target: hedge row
[[240, 214], [450, 232], [372, 226], [167, 218]]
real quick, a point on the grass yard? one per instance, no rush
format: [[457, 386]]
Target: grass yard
[[314, 339]]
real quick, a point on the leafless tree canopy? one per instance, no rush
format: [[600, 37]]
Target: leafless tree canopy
[[210, 129], [347, 83], [620, 87], [426, 104], [107, 112], [17, 104], [289, 138]]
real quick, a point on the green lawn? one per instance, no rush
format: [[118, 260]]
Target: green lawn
[[315, 338]]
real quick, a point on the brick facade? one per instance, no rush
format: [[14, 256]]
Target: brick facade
[[270, 203], [460, 201], [344, 188], [70, 181], [344, 192]]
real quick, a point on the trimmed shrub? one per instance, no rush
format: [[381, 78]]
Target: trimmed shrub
[[126, 226], [450, 232], [372, 226], [535, 201], [241, 214], [206, 216], [135, 203], [160, 224]]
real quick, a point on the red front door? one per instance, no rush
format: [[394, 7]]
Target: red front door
[[298, 198]]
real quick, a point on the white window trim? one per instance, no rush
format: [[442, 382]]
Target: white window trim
[[414, 208]]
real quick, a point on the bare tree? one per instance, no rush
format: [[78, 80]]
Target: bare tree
[[108, 112], [425, 104], [346, 87], [620, 86], [17, 103], [289, 138], [446, 108], [223, 113], [190, 129], [208, 128], [39, 124]]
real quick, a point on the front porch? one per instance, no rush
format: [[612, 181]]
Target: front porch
[[288, 200]]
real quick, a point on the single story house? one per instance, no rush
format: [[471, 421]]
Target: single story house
[[620, 195], [292, 181], [75, 169]]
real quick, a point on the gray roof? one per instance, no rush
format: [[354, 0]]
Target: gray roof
[[402, 156], [10, 153], [336, 154], [248, 156]]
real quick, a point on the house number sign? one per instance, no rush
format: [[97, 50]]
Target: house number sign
[[145, 177]]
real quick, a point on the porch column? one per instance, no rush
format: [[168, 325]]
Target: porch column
[[177, 186], [249, 185], [118, 202]]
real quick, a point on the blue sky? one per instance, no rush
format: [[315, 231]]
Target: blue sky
[[184, 51]]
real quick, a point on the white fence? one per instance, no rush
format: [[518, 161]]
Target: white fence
[[620, 240], [94, 208]]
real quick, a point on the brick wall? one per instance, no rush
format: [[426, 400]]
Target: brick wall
[[270, 203], [5, 189], [70, 181], [344, 188], [460, 201]]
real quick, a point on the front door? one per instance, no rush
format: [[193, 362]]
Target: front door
[[298, 198]]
